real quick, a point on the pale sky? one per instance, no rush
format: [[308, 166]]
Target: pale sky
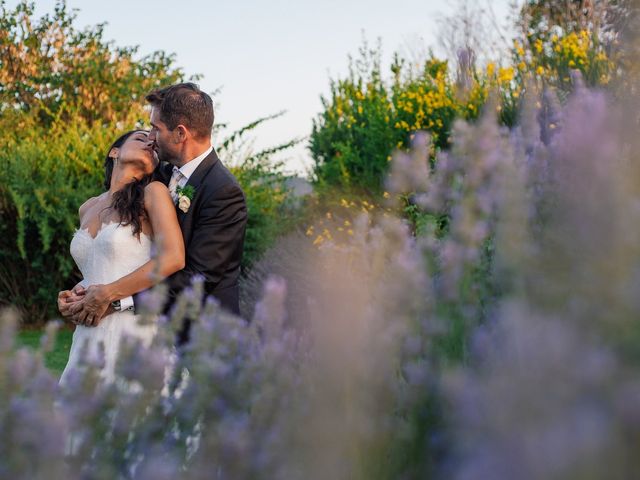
[[266, 56]]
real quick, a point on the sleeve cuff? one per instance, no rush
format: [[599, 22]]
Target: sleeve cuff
[[126, 303]]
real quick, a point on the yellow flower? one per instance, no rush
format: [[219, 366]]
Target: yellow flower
[[310, 231], [540, 70], [319, 239], [538, 45], [505, 75], [491, 69], [386, 195], [350, 232]]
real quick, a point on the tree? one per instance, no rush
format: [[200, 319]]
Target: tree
[[50, 69]]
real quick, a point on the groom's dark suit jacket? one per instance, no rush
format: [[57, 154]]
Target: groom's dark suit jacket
[[213, 229]]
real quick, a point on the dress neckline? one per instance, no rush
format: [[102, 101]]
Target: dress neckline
[[103, 227]]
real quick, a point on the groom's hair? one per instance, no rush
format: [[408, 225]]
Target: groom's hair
[[184, 104]]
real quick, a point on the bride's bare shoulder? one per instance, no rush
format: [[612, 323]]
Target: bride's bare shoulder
[[87, 205], [156, 188], [156, 193]]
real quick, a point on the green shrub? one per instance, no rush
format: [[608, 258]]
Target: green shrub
[[367, 117], [271, 206], [46, 176], [51, 69]]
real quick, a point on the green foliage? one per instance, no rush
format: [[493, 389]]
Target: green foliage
[[272, 208], [351, 139], [367, 116], [47, 175], [557, 38], [49, 69]]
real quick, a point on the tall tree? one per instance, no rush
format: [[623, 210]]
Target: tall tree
[[50, 68]]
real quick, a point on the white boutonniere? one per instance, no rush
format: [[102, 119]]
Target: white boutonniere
[[185, 195]]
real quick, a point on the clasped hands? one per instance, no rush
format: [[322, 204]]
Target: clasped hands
[[85, 306]]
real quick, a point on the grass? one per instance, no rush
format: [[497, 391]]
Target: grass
[[57, 358]]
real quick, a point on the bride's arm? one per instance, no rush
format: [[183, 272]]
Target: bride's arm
[[169, 259], [168, 243]]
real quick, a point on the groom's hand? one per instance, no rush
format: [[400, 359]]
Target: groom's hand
[[93, 306]]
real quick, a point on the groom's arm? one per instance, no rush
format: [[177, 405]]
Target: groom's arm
[[216, 241]]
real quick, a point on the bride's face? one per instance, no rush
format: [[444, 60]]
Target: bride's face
[[138, 150]]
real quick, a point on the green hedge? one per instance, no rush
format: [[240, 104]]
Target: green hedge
[[46, 176]]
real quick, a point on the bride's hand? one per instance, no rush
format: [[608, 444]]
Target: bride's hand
[[94, 304], [65, 300]]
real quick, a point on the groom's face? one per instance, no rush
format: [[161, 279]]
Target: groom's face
[[162, 138]]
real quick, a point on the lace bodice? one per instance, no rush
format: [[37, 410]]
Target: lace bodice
[[112, 254]]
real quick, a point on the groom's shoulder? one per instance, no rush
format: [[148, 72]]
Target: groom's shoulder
[[220, 176]]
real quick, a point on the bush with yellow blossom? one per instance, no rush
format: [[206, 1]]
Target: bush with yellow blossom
[[551, 58], [366, 117]]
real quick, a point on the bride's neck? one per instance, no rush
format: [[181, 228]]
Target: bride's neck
[[120, 177]]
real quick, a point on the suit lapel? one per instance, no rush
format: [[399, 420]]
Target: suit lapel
[[195, 180]]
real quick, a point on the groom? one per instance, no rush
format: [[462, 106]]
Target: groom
[[210, 204]]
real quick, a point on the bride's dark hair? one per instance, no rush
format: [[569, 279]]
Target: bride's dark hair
[[129, 201]]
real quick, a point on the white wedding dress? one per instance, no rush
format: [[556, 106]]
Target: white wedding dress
[[112, 254]]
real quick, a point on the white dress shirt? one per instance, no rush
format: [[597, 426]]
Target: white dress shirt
[[183, 174]]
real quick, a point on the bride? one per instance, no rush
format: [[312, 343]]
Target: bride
[[113, 250]]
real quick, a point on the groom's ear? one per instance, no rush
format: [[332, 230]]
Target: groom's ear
[[181, 133], [113, 153]]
